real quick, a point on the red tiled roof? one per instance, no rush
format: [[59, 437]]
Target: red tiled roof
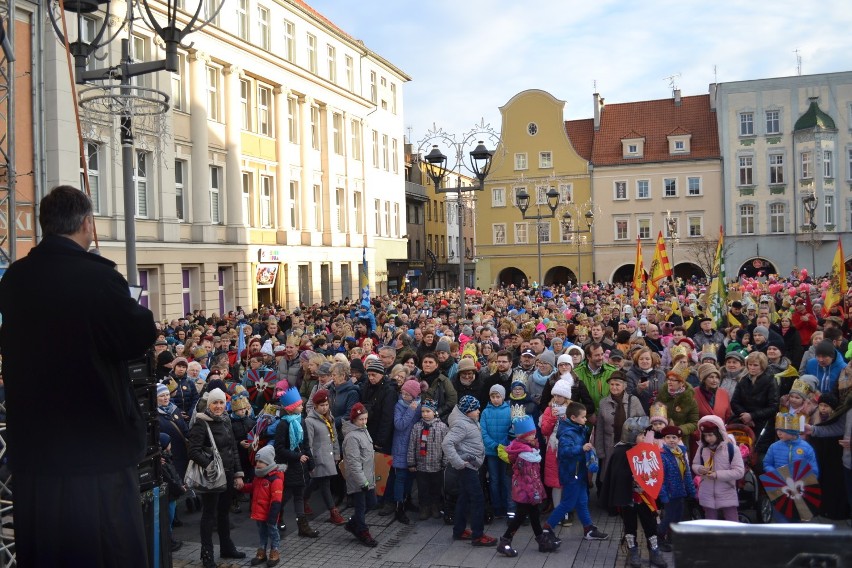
[[655, 120], [581, 133], [679, 131], [322, 18]]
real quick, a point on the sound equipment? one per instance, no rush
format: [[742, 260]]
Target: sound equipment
[[155, 512]]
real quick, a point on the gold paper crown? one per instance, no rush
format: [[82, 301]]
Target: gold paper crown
[[581, 330], [520, 376], [659, 412], [518, 411], [790, 423], [678, 350], [801, 387]]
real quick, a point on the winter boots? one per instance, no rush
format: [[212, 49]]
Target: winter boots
[[504, 547], [259, 558], [274, 558], [547, 541], [388, 508], [305, 529], [634, 557], [664, 541], [656, 554], [400, 515], [229, 550], [367, 539], [335, 518], [207, 557]]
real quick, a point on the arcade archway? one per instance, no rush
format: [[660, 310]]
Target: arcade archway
[[688, 271], [756, 267], [559, 275], [624, 274], [511, 275]]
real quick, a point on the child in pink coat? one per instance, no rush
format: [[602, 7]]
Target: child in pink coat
[[720, 464]]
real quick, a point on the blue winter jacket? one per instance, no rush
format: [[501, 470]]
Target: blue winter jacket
[[403, 420], [571, 456], [782, 454], [827, 377], [495, 423], [675, 485]]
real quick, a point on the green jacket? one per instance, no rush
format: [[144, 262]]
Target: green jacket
[[596, 384], [682, 409]]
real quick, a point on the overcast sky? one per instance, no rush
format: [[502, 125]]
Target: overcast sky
[[469, 57]]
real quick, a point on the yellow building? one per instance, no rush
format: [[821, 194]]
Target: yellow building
[[535, 154]]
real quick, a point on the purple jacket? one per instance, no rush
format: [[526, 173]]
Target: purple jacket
[[526, 473], [721, 491]]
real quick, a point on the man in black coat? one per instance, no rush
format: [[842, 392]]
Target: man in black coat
[[76, 474]]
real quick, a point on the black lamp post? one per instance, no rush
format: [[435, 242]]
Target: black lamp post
[[809, 202], [436, 167], [674, 237], [523, 199], [568, 227]]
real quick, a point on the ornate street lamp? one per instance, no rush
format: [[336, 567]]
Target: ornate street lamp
[[568, 228], [552, 202]]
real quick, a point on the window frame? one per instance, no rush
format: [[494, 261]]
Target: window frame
[[289, 32], [267, 213], [647, 183], [619, 190], [617, 230], [744, 218], [264, 39], [311, 41], [545, 160], [690, 226], [521, 233], [775, 163], [264, 110], [181, 184], [141, 182], [806, 160], [216, 217], [777, 218], [745, 170], [521, 162], [498, 197], [669, 182], [746, 123], [698, 191], [772, 125]]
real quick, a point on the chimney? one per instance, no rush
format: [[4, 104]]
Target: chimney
[[714, 87], [597, 102], [677, 97]]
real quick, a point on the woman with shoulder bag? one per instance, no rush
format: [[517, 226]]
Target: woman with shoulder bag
[[213, 422]]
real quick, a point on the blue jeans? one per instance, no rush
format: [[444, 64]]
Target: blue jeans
[[575, 497], [363, 501], [499, 485], [172, 513], [269, 535], [402, 483], [671, 514], [472, 498]]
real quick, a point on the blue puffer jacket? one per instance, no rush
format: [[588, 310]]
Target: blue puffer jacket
[[572, 458], [495, 423], [675, 485], [404, 418], [827, 376], [782, 454]]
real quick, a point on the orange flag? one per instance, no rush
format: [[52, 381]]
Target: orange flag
[[660, 267], [638, 274]]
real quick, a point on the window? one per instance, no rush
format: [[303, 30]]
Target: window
[[499, 233], [541, 194], [385, 152], [264, 101], [318, 207], [545, 160], [498, 197], [374, 90], [242, 19], [679, 146], [621, 230], [776, 168], [337, 132], [145, 296], [212, 93], [139, 53], [350, 72], [377, 205], [693, 186], [246, 187], [773, 122], [93, 161], [746, 219], [643, 189], [632, 148], [293, 121], [849, 164], [211, 7], [315, 132], [384, 83], [670, 187], [566, 193], [566, 235], [339, 200], [396, 232], [695, 226], [521, 233], [644, 226], [746, 170], [777, 218], [215, 186], [620, 190], [827, 164], [429, 243], [828, 200], [312, 53], [265, 201], [394, 157], [245, 112], [294, 205], [544, 231], [180, 173], [393, 97], [521, 161], [428, 210], [356, 212], [263, 27], [375, 149], [332, 63], [807, 165], [140, 180], [356, 139], [178, 96], [746, 124], [289, 41], [516, 191]]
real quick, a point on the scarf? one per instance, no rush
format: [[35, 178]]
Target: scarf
[[681, 459], [328, 425], [424, 437], [168, 410], [710, 395], [296, 433], [264, 471], [677, 390], [539, 379], [620, 415]]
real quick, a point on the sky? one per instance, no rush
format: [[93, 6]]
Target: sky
[[467, 58]]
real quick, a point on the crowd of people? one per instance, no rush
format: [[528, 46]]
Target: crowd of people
[[522, 408]]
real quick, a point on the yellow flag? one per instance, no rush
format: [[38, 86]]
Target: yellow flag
[[660, 267], [638, 274], [837, 287]]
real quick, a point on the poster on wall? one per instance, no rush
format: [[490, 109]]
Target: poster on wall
[[266, 274]]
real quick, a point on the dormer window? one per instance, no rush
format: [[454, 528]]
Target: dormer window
[[633, 146], [679, 140]]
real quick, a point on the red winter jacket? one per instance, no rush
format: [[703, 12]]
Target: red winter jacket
[[264, 492]]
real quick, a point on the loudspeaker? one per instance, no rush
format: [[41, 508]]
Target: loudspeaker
[[155, 513], [734, 545]]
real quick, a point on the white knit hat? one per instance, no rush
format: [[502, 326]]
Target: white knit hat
[[565, 358], [214, 395], [562, 388]]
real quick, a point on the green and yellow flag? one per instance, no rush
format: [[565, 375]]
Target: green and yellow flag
[[717, 293]]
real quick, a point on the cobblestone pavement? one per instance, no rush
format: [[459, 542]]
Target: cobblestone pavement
[[421, 544]]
